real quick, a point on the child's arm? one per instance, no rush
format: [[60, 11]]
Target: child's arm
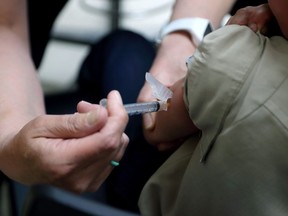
[[173, 125]]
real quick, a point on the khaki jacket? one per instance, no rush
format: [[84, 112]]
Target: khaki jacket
[[237, 94]]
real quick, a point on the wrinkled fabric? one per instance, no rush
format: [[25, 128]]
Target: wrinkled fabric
[[236, 93]]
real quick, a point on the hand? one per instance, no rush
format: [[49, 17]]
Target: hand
[[69, 151], [168, 67], [256, 18]]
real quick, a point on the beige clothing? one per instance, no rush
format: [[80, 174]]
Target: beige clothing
[[237, 94]]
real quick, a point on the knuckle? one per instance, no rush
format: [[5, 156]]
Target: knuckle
[[111, 142], [38, 123], [123, 117], [72, 124]]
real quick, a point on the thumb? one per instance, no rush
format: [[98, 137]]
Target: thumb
[[74, 125]]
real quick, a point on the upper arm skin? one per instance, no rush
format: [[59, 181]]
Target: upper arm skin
[[13, 15], [173, 124]]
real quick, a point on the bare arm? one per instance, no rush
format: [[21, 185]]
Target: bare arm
[[169, 64], [20, 92], [173, 125]]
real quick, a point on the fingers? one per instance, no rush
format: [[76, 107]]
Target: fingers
[[240, 18], [88, 178], [76, 150], [115, 104], [90, 118], [98, 180], [83, 107], [121, 151], [256, 18], [71, 126], [118, 117], [109, 138], [112, 141]]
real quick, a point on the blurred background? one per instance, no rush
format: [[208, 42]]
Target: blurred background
[[83, 22]]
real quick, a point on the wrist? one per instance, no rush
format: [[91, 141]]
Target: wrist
[[172, 54], [178, 38], [177, 45], [194, 27]]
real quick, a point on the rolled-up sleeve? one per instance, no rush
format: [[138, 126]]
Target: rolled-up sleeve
[[216, 73]]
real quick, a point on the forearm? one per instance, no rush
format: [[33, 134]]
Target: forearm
[[21, 95], [20, 91], [177, 46]]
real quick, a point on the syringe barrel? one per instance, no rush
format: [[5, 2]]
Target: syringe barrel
[[141, 108]]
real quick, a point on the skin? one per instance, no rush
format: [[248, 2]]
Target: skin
[[169, 65], [256, 18], [168, 136], [74, 151], [69, 151], [173, 125]]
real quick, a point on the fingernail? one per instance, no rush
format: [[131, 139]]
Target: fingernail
[[93, 116], [117, 95]]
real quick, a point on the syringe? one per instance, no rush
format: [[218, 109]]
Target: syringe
[[141, 108]]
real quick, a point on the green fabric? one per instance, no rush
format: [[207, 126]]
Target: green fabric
[[236, 93]]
